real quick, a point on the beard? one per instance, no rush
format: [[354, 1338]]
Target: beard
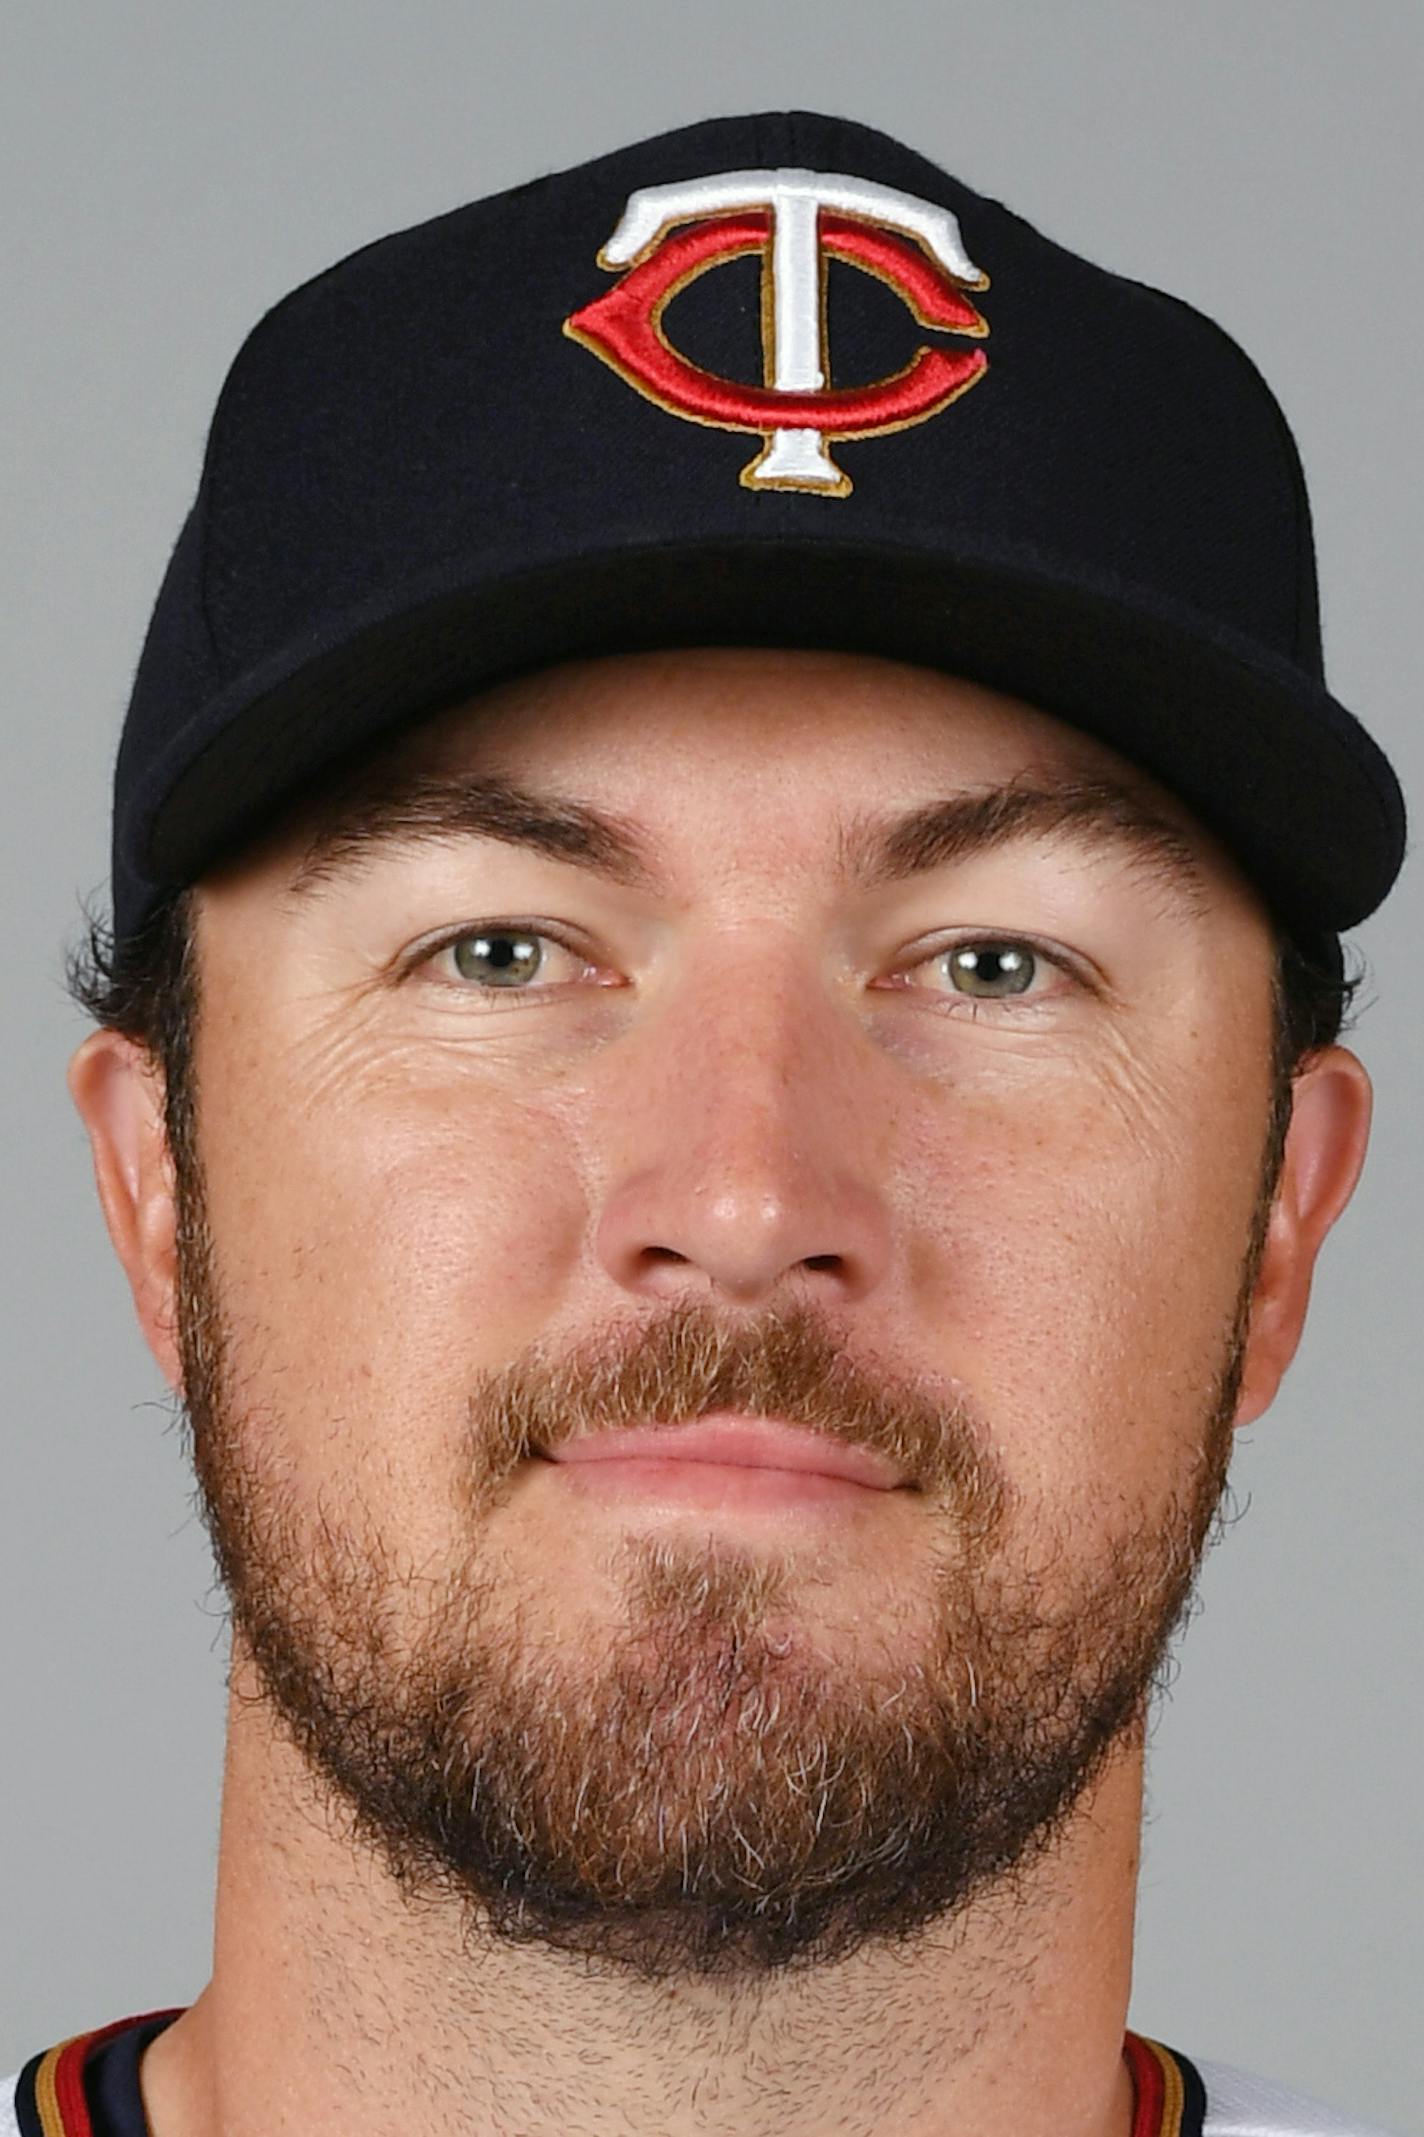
[[702, 1791]]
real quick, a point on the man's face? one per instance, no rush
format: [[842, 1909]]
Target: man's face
[[958, 1162]]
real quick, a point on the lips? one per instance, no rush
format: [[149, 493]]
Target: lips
[[738, 1442]]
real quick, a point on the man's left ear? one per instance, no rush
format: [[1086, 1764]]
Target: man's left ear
[[1325, 1149]]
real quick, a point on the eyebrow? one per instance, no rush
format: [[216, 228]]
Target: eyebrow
[[873, 849]]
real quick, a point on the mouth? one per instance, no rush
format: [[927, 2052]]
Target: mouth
[[752, 1457]]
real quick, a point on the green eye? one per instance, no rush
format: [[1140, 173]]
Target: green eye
[[503, 958], [991, 970]]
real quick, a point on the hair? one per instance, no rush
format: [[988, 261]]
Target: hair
[[147, 988]]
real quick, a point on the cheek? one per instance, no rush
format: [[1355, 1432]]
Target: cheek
[[374, 1253], [1083, 1265]]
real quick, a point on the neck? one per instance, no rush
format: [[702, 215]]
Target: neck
[[336, 2006]]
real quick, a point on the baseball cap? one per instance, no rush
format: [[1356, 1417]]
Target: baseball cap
[[769, 380]]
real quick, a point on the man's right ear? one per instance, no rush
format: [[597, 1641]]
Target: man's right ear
[[118, 1091]]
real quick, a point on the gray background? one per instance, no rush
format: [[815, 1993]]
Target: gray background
[[169, 171]]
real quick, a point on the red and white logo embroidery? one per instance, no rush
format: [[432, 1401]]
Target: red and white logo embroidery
[[796, 220]]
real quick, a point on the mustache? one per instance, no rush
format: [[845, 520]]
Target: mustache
[[689, 1359]]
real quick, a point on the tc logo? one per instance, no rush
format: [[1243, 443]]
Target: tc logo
[[796, 220]]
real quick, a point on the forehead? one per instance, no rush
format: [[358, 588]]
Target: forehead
[[822, 714]]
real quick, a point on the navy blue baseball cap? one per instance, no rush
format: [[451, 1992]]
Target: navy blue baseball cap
[[764, 381]]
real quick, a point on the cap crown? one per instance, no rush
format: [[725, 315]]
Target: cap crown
[[420, 476]]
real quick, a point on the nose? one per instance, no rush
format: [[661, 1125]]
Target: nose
[[748, 1156]]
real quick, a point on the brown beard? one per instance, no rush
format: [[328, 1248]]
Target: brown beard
[[701, 1797]]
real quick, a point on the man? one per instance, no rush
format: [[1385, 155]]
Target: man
[[717, 1079]]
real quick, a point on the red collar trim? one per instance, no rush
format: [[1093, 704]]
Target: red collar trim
[[1157, 2086], [60, 2107]]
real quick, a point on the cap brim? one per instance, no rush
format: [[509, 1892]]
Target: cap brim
[[1270, 762]]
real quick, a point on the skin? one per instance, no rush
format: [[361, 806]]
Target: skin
[[1035, 1214]]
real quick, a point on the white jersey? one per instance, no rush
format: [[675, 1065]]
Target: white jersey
[[1239, 2105]]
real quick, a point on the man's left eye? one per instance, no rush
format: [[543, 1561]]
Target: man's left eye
[[506, 960], [991, 971]]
